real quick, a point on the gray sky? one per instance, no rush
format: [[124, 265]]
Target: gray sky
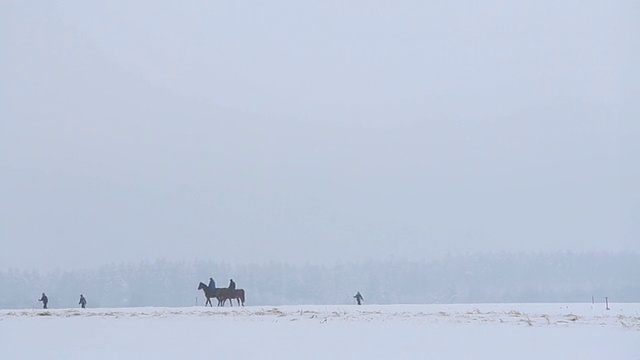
[[251, 131]]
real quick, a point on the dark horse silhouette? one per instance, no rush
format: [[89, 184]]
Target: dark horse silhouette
[[210, 293], [224, 294]]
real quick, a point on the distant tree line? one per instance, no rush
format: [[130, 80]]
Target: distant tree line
[[494, 277]]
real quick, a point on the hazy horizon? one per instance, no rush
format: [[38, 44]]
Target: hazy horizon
[[476, 278], [312, 132]]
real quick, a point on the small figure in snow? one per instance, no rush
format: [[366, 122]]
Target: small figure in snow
[[232, 284], [83, 301], [212, 284], [358, 298], [44, 300]]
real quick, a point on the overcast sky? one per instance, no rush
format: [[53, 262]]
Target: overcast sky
[[256, 131]]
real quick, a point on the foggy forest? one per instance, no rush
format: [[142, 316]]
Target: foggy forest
[[491, 277]]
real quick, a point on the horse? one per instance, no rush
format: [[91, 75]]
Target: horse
[[209, 293], [224, 294]]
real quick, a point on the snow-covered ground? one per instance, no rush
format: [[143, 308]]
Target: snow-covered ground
[[478, 331]]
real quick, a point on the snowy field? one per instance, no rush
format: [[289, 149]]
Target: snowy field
[[479, 331]]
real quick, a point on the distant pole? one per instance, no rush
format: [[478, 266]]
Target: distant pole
[[593, 300], [196, 301], [606, 299]]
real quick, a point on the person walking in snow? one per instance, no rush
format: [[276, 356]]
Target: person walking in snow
[[83, 301], [232, 284], [44, 300], [358, 298]]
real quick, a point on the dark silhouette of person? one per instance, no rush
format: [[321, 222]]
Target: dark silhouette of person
[[359, 298], [232, 284], [44, 300], [83, 301], [212, 284]]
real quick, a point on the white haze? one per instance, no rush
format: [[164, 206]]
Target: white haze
[[315, 131]]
